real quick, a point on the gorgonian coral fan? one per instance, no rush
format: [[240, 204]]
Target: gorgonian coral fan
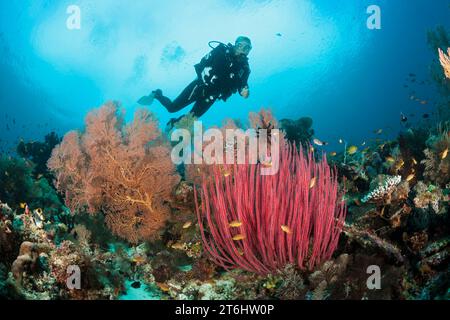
[[445, 61], [122, 170], [261, 223]]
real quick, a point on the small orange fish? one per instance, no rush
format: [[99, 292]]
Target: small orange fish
[[444, 154], [414, 161], [178, 246], [164, 287], [187, 224], [312, 183], [239, 237], [22, 205], [410, 177], [235, 224], [226, 173], [138, 259], [390, 159], [286, 229], [311, 148], [333, 154], [267, 164], [240, 252]]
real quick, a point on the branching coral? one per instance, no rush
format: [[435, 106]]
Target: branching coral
[[261, 223], [123, 170], [445, 61], [437, 161], [428, 196]]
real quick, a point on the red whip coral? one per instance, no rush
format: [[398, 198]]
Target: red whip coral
[[122, 170], [262, 223]]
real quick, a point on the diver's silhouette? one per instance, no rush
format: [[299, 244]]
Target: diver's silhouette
[[221, 73]]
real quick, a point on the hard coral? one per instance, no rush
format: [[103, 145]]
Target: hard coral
[[428, 196], [445, 61], [437, 161], [382, 188], [123, 170]]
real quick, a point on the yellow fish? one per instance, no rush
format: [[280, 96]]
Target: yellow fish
[[239, 237], [240, 252], [311, 149], [444, 154], [235, 224], [178, 246], [333, 154], [414, 161], [23, 205], [226, 173], [138, 259], [312, 183], [164, 287], [187, 224], [267, 164], [390, 159], [352, 149], [410, 177], [286, 229]]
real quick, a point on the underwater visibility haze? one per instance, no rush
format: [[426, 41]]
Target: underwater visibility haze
[[352, 99]]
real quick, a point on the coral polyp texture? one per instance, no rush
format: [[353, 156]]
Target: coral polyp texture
[[385, 185], [445, 61], [261, 223], [121, 170]]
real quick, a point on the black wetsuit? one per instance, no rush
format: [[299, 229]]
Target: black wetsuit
[[219, 74]]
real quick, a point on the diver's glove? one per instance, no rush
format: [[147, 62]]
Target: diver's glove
[[148, 100]]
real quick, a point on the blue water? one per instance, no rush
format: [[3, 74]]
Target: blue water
[[309, 58]]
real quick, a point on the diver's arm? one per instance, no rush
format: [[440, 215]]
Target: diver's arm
[[243, 89]]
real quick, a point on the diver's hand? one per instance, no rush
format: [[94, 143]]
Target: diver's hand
[[245, 92]]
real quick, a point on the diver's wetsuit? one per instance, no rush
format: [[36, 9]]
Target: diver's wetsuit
[[219, 74]]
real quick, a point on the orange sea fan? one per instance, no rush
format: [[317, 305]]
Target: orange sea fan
[[122, 170], [445, 61]]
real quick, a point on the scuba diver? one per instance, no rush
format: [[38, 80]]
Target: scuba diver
[[221, 73]]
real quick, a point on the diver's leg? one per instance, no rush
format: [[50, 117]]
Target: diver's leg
[[201, 106], [185, 98]]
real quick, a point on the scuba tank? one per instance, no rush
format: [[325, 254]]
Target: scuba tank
[[216, 42]]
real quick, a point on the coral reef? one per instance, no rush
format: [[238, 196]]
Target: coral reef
[[382, 189], [298, 131], [121, 170], [224, 232], [445, 61], [252, 225]]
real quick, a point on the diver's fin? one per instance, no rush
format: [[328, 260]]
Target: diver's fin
[[146, 100]]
